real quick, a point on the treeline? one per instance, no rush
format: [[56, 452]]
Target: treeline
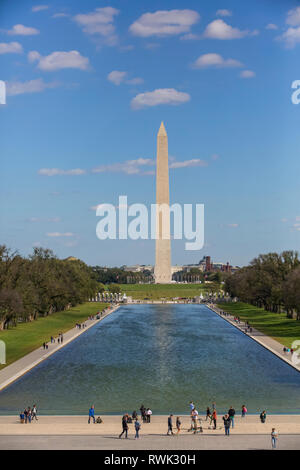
[[271, 281], [119, 276], [40, 285]]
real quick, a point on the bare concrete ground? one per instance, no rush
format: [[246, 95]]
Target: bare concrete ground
[[148, 442], [111, 426]]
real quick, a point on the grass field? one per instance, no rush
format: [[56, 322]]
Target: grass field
[[276, 325], [167, 291], [27, 337]]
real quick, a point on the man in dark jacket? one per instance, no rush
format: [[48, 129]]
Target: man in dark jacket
[[124, 427], [170, 426], [231, 413], [227, 422]]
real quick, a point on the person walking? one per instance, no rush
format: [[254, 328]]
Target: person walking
[[170, 425], [274, 438], [227, 422], [149, 413], [92, 414], [26, 415], [124, 427], [192, 406], [231, 413], [194, 420], [178, 425], [29, 415], [214, 418], [137, 427], [263, 416], [208, 413], [143, 412], [244, 411], [34, 413]]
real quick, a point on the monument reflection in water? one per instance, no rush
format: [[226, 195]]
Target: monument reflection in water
[[162, 356]]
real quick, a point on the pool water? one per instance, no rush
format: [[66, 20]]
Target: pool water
[[163, 356]]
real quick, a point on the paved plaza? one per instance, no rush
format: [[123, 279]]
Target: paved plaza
[[148, 442], [73, 432]]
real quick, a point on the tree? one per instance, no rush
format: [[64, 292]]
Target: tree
[[291, 293], [265, 282], [114, 288]]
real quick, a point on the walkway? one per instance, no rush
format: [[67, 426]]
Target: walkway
[[18, 368], [67, 432], [150, 443]]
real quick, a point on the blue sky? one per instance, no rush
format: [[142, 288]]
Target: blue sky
[[88, 83]]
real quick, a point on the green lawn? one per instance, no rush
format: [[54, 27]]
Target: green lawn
[[167, 291], [276, 325], [26, 337]]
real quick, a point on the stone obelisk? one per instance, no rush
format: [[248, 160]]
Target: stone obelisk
[[162, 270]]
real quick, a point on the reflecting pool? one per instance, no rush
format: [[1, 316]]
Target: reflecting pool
[[162, 356]]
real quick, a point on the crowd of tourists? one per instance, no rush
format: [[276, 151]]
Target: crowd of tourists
[[29, 415], [247, 327], [288, 350], [60, 340], [196, 422]]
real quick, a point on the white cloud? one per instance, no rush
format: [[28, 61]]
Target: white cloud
[[39, 8], [32, 86], [218, 29], [59, 60], [129, 167], [188, 163], [117, 77], [59, 234], [215, 60], [10, 48], [293, 17], [58, 171], [137, 167], [99, 22], [233, 225], [271, 26], [290, 37], [159, 96], [60, 15], [224, 13], [164, 23], [247, 74], [21, 30]]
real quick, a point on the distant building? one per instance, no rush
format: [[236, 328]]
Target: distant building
[[205, 265]]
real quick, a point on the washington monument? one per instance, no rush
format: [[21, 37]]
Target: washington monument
[[162, 270]]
